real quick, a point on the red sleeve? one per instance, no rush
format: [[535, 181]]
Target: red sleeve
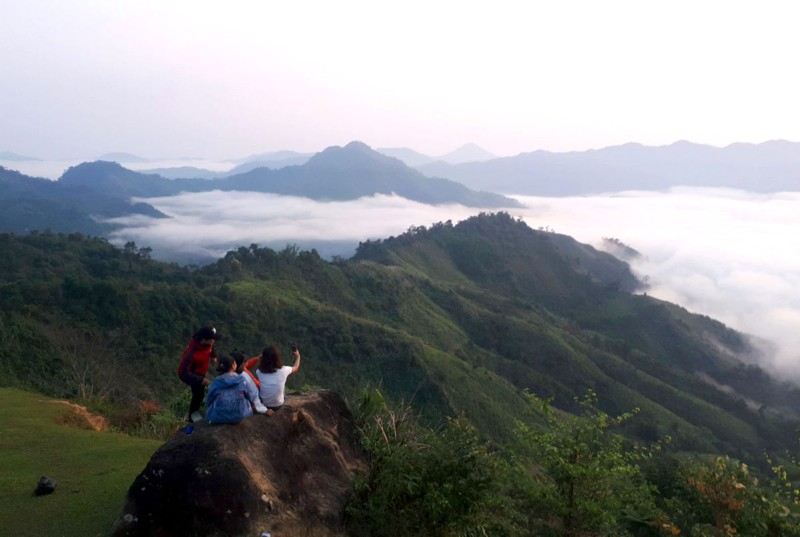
[[250, 363]]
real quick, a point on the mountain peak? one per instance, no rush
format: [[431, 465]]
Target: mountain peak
[[356, 155], [91, 170], [356, 145], [469, 152], [115, 180]]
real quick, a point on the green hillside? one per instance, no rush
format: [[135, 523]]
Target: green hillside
[[459, 319], [93, 470]]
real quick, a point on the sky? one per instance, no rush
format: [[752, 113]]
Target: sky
[[227, 79], [728, 254], [213, 80]]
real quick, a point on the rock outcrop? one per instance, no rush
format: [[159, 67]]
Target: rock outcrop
[[287, 474]]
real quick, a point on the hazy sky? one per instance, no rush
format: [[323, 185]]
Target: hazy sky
[[724, 253], [226, 79]]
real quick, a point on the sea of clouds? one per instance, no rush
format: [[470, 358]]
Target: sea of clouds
[[728, 254]]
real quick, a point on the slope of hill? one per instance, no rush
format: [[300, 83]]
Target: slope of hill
[[460, 319], [466, 153], [119, 156], [408, 156], [355, 171], [274, 156], [37, 204], [271, 164], [93, 469], [184, 172], [768, 167], [112, 179], [104, 189], [337, 173], [15, 157]]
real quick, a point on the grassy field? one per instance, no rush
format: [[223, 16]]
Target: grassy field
[[93, 470]]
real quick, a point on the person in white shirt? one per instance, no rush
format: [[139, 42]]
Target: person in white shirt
[[272, 376]]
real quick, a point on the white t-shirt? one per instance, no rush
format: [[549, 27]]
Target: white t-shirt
[[272, 385]]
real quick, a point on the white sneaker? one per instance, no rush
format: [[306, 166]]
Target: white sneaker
[[260, 408], [196, 416]]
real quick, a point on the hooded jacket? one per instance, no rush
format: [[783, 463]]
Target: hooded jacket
[[194, 363], [228, 399]]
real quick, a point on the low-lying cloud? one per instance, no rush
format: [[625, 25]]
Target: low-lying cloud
[[208, 224], [728, 254]]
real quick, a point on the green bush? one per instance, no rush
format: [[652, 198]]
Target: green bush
[[421, 481], [586, 481]]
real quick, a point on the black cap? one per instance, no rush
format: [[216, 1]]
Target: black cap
[[225, 364], [207, 332]]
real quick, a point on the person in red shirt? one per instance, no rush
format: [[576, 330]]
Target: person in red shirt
[[194, 364]]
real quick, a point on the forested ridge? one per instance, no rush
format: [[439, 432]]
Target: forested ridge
[[448, 316], [462, 321]]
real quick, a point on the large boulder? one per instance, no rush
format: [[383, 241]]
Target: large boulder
[[287, 474]]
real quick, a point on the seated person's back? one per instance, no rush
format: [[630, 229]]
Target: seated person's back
[[272, 376], [229, 396]]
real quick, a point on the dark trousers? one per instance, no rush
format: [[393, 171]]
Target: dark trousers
[[198, 392]]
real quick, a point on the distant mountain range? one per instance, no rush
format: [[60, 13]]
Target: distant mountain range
[[281, 159], [192, 172], [274, 156], [104, 189], [354, 171], [123, 157], [465, 153], [182, 172], [337, 173], [14, 157], [31, 203], [768, 167]]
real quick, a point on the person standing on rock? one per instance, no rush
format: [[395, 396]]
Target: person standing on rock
[[194, 366], [230, 396], [272, 376]]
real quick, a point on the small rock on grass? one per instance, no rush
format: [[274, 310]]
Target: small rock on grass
[[45, 485]]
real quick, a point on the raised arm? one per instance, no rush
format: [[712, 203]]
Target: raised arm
[[296, 365]]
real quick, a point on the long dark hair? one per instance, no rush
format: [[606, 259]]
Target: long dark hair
[[238, 357], [270, 360]]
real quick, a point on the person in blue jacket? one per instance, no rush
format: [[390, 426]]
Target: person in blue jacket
[[240, 360], [229, 397]]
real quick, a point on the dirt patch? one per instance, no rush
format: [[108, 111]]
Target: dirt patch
[[78, 416]]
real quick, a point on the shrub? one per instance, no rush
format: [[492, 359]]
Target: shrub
[[421, 481], [585, 481]]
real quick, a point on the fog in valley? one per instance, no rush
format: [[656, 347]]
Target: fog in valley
[[724, 253]]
